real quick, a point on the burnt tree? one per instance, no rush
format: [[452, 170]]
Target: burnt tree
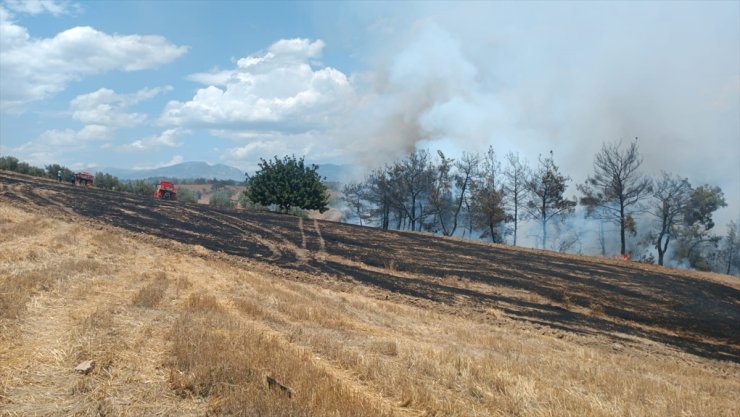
[[546, 188], [616, 189]]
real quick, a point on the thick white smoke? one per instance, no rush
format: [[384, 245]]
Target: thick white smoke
[[531, 79]]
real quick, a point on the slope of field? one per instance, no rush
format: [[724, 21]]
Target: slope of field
[[206, 192], [186, 310]]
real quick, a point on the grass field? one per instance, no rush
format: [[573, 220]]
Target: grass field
[[176, 329]]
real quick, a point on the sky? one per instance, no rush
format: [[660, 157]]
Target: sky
[[144, 84]]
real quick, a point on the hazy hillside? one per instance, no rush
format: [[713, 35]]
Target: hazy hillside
[[334, 173], [343, 320], [185, 170], [192, 170]]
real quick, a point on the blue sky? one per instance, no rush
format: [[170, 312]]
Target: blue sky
[[145, 84]]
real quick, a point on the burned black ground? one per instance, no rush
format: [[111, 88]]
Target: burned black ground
[[691, 313]]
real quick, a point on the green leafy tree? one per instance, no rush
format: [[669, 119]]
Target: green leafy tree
[[246, 203], [221, 198], [288, 183], [140, 187], [696, 240], [26, 168], [108, 182], [52, 171], [703, 202], [9, 163], [12, 164]]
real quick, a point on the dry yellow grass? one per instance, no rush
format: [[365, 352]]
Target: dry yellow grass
[[153, 292], [177, 330]]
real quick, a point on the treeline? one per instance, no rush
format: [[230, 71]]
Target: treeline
[[215, 182], [10, 163], [102, 180], [655, 219], [141, 187]]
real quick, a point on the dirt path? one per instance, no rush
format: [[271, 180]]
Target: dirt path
[[322, 243], [303, 233]]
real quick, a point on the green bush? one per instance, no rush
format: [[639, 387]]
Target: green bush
[[187, 195], [222, 199]]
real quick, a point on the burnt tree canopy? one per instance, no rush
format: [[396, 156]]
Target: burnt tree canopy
[[287, 183], [670, 199], [546, 187], [616, 188]]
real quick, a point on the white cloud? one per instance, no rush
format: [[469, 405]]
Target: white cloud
[[103, 113], [177, 159], [215, 77], [33, 69], [89, 166], [76, 137], [166, 139], [249, 149], [315, 145], [34, 7], [106, 107], [34, 153], [276, 89]]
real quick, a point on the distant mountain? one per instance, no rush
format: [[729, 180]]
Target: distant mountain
[[192, 170], [185, 170], [333, 172]]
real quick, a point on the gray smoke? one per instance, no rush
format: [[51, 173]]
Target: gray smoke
[[529, 78]]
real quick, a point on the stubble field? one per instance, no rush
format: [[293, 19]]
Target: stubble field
[[187, 310]]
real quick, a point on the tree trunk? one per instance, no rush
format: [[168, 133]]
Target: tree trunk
[[386, 215], [544, 232], [459, 207], [543, 213], [730, 255], [412, 215], [470, 221], [661, 249], [516, 219], [622, 221]]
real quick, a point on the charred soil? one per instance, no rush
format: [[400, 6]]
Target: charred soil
[[692, 312]]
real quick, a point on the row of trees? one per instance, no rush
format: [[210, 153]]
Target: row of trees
[[102, 180], [476, 195], [140, 187], [293, 194], [10, 163], [479, 195], [440, 194]]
